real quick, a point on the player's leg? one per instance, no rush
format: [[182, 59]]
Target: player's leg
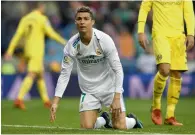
[[88, 119], [118, 121], [43, 90], [34, 67], [138, 124], [173, 97], [159, 84], [131, 121], [178, 65], [89, 108], [121, 122], [25, 87], [162, 53]]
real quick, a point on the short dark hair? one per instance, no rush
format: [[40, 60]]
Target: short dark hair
[[85, 9], [35, 4]]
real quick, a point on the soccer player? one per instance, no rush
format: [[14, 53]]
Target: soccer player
[[170, 45], [32, 28], [100, 75]]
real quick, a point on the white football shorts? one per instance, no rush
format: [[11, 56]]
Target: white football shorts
[[96, 101]]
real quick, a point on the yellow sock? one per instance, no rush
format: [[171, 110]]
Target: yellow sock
[[25, 87], [173, 96], [43, 90], [159, 85]]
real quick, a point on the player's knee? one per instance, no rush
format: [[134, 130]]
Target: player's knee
[[32, 75], [87, 126], [175, 74], [118, 125], [164, 71]]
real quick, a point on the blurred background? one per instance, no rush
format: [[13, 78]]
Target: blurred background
[[116, 18]]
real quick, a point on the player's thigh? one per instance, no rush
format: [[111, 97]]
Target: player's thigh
[[89, 108], [175, 74], [88, 119], [119, 121], [164, 69], [35, 65], [178, 53], [108, 97], [162, 50], [89, 102]]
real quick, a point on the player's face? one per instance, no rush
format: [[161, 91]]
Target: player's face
[[42, 8], [84, 22]]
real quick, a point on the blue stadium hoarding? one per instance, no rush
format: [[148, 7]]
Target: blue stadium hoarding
[[135, 86]]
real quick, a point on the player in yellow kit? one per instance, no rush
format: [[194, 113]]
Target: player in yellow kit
[[169, 43], [32, 28]]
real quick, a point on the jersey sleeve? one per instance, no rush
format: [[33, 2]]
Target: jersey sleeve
[[16, 37], [52, 33], [66, 68], [189, 17], [143, 13], [111, 55]]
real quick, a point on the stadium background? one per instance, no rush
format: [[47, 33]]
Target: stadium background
[[118, 19]]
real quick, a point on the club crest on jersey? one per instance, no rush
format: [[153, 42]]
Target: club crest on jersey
[[98, 52], [66, 59], [159, 57]]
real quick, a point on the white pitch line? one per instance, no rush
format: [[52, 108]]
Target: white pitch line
[[51, 127]]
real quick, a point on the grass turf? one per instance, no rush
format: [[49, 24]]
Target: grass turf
[[35, 120]]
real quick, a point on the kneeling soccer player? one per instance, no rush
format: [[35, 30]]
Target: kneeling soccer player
[[100, 76]]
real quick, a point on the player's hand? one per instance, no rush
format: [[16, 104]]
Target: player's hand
[[7, 57], [189, 42], [143, 41], [53, 112], [116, 106]]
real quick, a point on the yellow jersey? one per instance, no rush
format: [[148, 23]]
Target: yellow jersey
[[32, 29], [168, 16]]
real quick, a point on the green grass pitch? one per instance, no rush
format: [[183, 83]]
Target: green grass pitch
[[35, 120]]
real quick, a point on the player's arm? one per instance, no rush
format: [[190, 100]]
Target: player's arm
[[189, 19], [111, 55], [66, 68], [15, 39], [143, 13], [52, 33]]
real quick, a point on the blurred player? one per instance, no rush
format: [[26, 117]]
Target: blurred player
[[100, 76], [32, 28], [169, 43]]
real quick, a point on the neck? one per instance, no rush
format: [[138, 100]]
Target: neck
[[86, 37], [39, 11]]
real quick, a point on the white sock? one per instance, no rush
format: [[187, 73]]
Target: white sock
[[130, 122], [100, 122]]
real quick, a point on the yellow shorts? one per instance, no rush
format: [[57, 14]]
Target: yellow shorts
[[170, 50], [35, 64]]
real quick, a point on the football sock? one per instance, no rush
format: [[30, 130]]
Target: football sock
[[173, 96], [130, 122], [99, 122], [25, 87], [159, 85], [42, 90]]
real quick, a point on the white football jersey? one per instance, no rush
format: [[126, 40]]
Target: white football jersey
[[98, 65]]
